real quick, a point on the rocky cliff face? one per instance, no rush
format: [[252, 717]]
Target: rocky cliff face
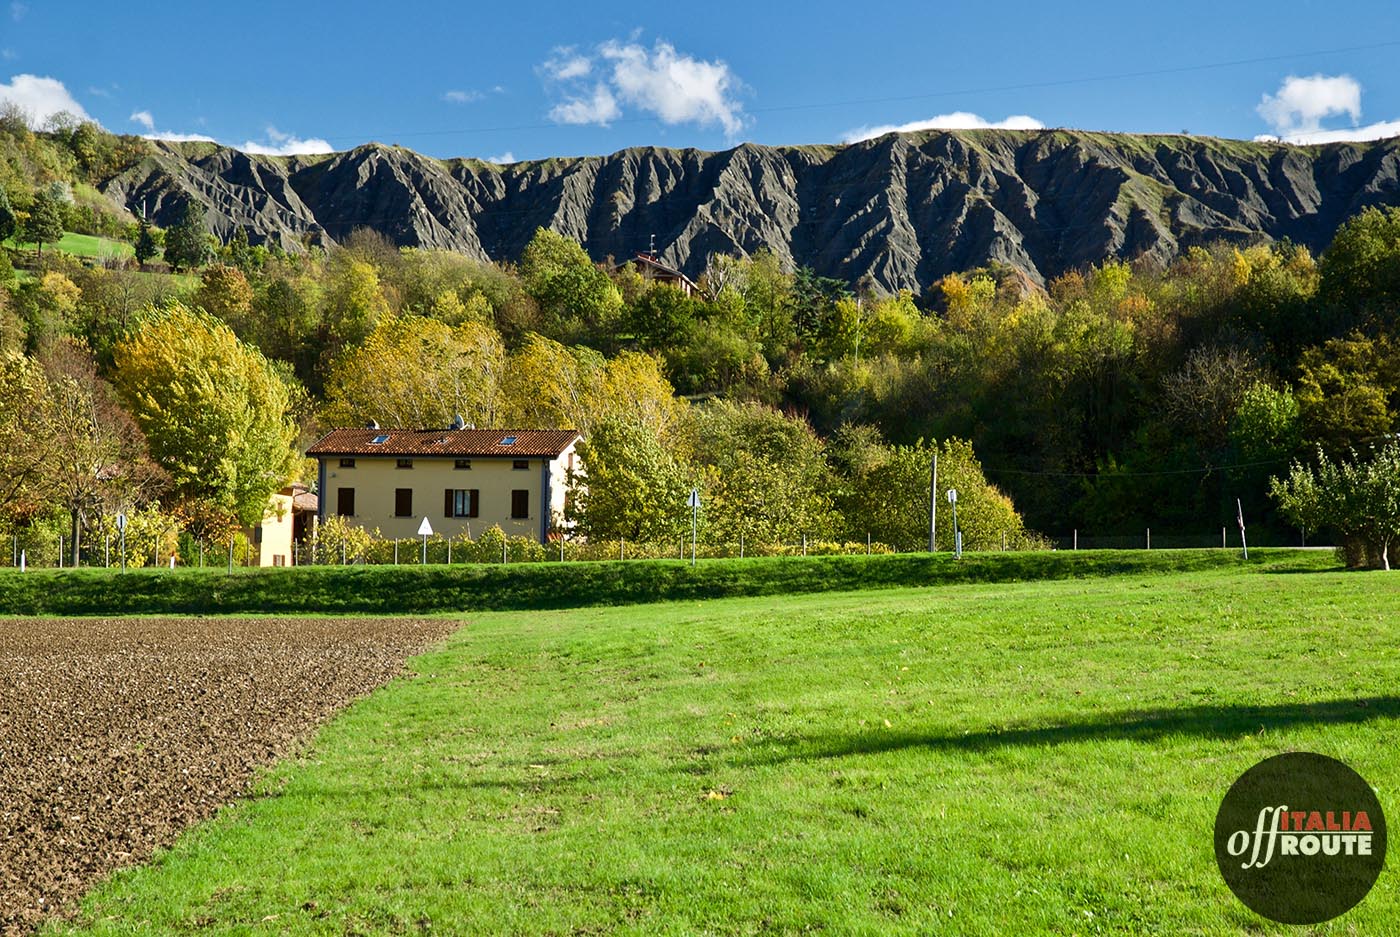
[[904, 209]]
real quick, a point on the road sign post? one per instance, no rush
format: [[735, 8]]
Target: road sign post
[[425, 530], [957, 534]]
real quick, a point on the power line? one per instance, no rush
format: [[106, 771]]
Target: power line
[[1203, 470]]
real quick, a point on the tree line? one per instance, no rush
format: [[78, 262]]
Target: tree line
[[1109, 399]]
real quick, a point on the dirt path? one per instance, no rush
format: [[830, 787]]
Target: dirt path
[[117, 734]]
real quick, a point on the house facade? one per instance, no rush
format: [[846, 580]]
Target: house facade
[[463, 480]]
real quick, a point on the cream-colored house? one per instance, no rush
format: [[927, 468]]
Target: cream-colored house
[[463, 480], [272, 539]]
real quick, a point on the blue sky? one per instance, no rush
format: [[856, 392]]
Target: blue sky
[[543, 79]]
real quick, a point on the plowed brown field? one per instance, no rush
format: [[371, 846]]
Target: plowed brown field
[[117, 734]]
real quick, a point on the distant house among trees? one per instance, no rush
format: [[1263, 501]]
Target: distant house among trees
[[651, 268], [465, 480]]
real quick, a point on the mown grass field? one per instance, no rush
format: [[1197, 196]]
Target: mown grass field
[[83, 245], [1024, 758]]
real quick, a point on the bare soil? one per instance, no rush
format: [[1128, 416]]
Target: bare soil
[[116, 734]]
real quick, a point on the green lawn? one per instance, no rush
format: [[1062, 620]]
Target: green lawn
[[1015, 758], [85, 245]]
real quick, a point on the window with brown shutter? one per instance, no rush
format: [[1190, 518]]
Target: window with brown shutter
[[476, 502], [403, 502], [345, 502], [520, 503]]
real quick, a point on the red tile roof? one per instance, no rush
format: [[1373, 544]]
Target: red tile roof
[[447, 442]]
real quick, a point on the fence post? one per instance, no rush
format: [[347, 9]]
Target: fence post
[[60, 551], [201, 554], [1149, 538], [396, 552], [1003, 541], [342, 553], [622, 548], [107, 552], [804, 544], [741, 544], [449, 549], [867, 543], [1222, 539], [230, 554], [505, 545]]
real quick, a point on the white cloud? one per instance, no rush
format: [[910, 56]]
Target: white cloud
[[674, 87], [40, 98], [145, 119], [279, 143], [564, 64], [286, 144], [503, 159], [171, 137], [677, 88], [957, 120], [597, 107], [1297, 110], [462, 97], [1301, 104], [1377, 131]]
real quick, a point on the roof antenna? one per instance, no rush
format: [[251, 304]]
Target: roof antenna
[[652, 251], [458, 422], [372, 424]]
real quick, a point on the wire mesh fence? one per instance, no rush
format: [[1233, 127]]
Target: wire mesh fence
[[493, 548]]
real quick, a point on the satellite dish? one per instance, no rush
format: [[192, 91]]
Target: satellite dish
[[458, 422], [372, 424]]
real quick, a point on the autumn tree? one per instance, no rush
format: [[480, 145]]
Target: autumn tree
[[225, 294], [105, 464], [29, 445], [417, 372], [213, 410]]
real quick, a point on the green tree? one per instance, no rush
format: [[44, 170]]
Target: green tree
[[634, 487], [1359, 497], [145, 245], [187, 242], [214, 411], [575, 297], [45, 222], [765, 475], [8, 222], [1347, 390], [1360, 272]]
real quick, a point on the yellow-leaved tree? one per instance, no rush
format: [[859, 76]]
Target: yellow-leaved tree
[[417, 372], [214, 411]]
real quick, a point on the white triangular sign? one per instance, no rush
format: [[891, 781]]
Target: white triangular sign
[[425, 529]]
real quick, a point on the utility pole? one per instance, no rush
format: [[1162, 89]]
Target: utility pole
[[932, 503]]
